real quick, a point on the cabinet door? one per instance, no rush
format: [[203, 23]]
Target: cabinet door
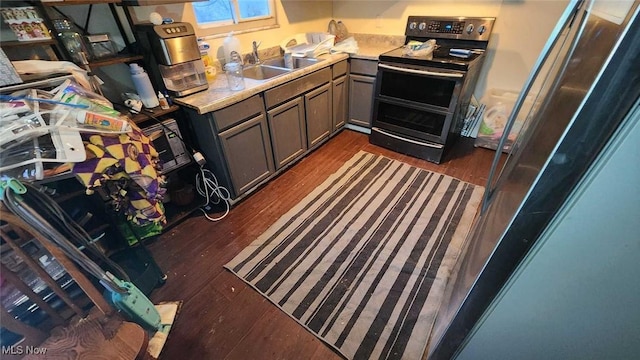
[[247, 150], [361, 99], [288, 131], [340, 99], [319, 113]]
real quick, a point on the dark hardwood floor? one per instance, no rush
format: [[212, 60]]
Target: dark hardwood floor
[[221, 317]]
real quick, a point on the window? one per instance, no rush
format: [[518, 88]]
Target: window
[[237, 15]]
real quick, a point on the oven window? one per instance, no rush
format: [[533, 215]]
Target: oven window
[[419, 121], [420, 89]]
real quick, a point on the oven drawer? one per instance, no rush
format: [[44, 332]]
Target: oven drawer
[[416, 122]]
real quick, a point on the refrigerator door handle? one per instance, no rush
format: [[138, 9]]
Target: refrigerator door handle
[[544, 55]]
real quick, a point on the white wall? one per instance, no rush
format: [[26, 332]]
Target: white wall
[[390, 17], [576, 294], [521, 29]]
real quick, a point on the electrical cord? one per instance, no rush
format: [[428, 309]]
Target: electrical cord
[[206, 182], [208, 187]]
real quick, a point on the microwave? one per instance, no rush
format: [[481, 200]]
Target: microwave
[[167, 140]]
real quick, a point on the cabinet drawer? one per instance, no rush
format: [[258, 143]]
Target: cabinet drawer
[[284, 92], [236, 113], [364, 67], [340, 68]]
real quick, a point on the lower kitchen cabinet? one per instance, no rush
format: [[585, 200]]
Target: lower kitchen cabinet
[[340, 103], [361, 90], [288, 131], [319, 114], [247, 150], [251, 141]]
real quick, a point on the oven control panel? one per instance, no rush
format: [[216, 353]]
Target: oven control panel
[[464, 28]]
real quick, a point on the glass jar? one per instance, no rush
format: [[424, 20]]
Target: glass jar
[[235, 78]]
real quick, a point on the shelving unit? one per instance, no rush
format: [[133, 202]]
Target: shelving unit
[[16, 43], [156, 112], [115, 60], [184, 174], [174, 213], [61, 53], [111, 4]]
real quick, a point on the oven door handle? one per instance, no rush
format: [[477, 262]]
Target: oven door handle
[[421, 143], [420, 72]]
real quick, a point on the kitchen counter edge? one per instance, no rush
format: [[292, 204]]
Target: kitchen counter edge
[[218, 95]]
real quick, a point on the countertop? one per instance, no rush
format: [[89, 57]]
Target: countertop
[[219, 96], [372, 51], [370, 46]]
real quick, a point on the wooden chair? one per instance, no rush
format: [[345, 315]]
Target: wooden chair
[[71, 331]]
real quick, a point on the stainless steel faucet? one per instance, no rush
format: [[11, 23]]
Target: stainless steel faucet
[[256, 59]]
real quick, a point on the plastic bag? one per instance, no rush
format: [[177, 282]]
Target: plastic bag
[[309, 44], [39, 128], [420, 49], [349, 46]]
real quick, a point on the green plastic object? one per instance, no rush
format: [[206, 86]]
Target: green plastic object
[[132, 232], [14, 184], [135, 306]]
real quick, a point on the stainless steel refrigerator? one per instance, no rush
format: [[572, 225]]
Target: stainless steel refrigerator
[[587, 80]]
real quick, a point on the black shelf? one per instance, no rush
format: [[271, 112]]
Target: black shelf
[[31, 81], [156, 112], [121, 59], [16, 43], [78, 2]]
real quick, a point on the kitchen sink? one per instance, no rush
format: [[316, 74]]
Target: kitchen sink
[[297, 62], [263, 71]]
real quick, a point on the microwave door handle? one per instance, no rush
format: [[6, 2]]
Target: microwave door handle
[[420, 72]]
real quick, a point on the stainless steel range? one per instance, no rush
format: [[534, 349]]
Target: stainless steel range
[[420, 101]]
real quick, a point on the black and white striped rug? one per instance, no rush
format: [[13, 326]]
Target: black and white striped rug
[[363, 260]]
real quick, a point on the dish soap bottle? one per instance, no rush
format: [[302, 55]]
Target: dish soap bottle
[[230, 44], [209, 68], [143, 86]]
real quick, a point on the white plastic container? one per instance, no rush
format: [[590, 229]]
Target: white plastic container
[[230, 44], [143, 86]]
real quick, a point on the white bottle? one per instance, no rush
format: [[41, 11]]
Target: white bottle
[[230, 44], [143, 86]]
